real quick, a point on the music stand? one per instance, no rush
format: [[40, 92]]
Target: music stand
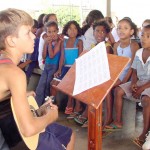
[[94, 97]]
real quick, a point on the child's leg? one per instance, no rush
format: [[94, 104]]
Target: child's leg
[[70, 145], [70, 105], [109, 104], [70, 102], [85, 113], [53, 91], [109, 108], [81, 119], [119, 92], [40, 90], [51, 70], [78, 106], [76, 111], [146, 116]]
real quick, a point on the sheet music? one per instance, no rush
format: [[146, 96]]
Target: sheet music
[[92, 69]]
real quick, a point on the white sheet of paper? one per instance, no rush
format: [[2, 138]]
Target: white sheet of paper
[[92, 69]]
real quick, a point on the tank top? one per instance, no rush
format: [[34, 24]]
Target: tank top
[[5, 61], [54, 60], [126, 52], [70, 54]]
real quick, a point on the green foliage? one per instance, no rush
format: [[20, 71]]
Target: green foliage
[[65, 13]]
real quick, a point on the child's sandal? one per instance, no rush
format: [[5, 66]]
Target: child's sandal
[[73, 115], [68, 110], [80, 119], [85, 125]]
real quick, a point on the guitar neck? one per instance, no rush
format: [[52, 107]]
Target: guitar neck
[[42, 110]]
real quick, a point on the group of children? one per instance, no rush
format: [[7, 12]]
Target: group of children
[[96, 30], [56, 54]]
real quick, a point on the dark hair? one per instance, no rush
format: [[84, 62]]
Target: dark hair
[[132, 24], [109, 19], [46, 18], [35, 25], [40, 20], [68, 24], [146, 21], [92, 17], [147, 27], [51, 24], [102, 23]]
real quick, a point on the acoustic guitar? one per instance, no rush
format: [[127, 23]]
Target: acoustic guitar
[[32, 141]]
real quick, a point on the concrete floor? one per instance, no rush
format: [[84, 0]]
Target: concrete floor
[[114, 141], [117, 140]]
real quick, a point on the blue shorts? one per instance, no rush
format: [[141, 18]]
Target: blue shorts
[[55, 137]]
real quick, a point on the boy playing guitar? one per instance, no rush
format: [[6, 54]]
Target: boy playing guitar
[[17, 39]]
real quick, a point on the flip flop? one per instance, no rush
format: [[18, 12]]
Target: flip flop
[[138, 142], [112, 127], [73, 115], [85, 125], [80, 119], [68, 110]]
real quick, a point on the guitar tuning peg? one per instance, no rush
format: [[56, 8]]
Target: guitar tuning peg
[[50, 97], [47, 98]]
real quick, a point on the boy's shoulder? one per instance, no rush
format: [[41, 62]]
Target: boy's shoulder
[[12, 70], [11, 76]]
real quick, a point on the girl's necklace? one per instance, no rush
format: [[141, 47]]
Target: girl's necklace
[[122, 50]]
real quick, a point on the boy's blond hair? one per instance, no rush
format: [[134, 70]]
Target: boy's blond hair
[[10, 21]]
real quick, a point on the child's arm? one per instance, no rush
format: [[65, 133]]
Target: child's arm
[[115, 48], [134, 80], [28, 124], [109, 50], [53, 52], [61, 61], [47, 43], [111, 38], [80, 46], [24, 64], [44, 53], [134, 48]]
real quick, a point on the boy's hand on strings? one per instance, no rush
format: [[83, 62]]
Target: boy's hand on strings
[[52, 111], [48, 108]]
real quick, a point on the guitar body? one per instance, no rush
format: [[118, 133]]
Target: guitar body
[[32, 141]]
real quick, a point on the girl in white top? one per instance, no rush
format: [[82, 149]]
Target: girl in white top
[[87, 30]]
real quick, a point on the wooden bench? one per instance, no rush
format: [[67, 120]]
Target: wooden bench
[[129, 116]]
